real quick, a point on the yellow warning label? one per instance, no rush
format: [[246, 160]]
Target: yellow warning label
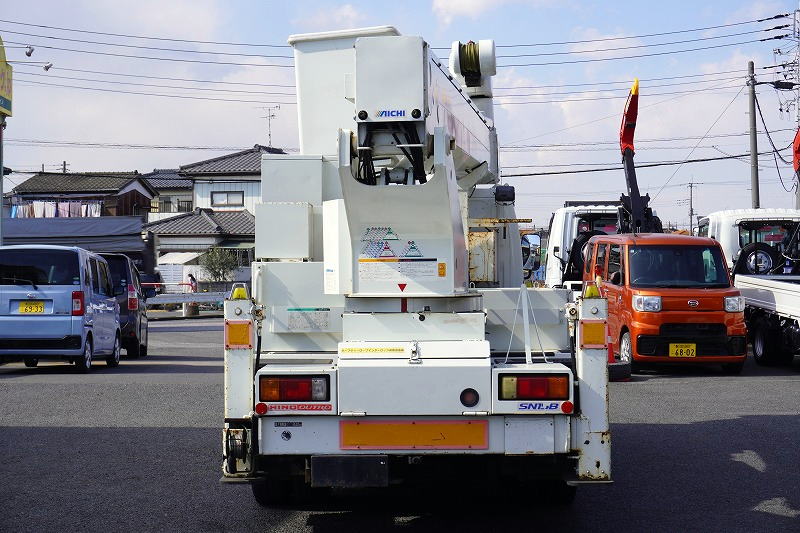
[[366, 349], [442, 270]]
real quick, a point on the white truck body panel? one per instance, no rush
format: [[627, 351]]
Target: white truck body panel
[[778, 294], [723, 226]]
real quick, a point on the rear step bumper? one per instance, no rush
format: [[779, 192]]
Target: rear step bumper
[[67, 345]]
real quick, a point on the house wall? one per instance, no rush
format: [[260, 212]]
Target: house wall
[[131, 203], [203, 190]]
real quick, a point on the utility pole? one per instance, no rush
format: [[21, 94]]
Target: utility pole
[[2, 168], [691, 185], [751, 81]]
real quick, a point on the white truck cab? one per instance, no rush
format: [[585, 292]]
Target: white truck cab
[[759, 234], [571, 227]]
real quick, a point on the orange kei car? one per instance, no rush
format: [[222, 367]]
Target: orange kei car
[[670, 299]]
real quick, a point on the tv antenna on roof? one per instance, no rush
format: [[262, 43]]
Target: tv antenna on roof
[[269, 116]]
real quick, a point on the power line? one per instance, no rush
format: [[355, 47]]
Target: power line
[[596, 98], [639, 141], [626, 89], [149, 77], [643, 36], [649, 45], [155, 58], [142, 36], [140, 47], [139, 93], [127, 146], [724, 110], [640, 165], [764, 123], [227, 43], [636, 56], [48, 75]]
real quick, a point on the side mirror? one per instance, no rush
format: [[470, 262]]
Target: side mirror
[[149, 292]]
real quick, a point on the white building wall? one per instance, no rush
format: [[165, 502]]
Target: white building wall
[[203, 190]]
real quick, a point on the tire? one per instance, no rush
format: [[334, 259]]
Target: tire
[[560, 494], [619, 371], [271, 493], [31, 362], [134, 349], [576, 251], [142, 350], [732, 369], [113, 359], [757, 258], [84, 363], [765, 348]]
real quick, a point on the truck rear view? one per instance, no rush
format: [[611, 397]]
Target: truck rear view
[[365, 353]]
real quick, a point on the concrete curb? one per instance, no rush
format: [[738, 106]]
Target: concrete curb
[[178, 315]]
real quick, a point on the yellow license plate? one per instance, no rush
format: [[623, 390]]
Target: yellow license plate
[[414, 434], [31, 307], [683, 350]]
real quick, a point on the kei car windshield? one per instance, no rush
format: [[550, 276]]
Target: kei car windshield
[[39, 267], [677, 266]]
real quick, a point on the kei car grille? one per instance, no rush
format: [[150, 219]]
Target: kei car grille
[[693, 330]]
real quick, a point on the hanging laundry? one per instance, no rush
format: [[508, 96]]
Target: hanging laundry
[[50, 209], [75, 209], [38, 209], [63, 209]]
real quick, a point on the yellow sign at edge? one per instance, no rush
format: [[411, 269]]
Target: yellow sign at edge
[[5, 83]]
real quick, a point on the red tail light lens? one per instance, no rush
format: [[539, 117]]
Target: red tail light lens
[[294, 389], [534, 387], [133, 301], [78, 307]]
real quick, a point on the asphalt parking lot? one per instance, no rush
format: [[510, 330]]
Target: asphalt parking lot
[[137, 448]]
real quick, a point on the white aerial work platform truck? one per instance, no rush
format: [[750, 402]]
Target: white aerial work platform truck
[[375, 345]]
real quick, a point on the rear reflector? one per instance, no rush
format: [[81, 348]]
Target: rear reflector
[[78, 307], [534, 387], [293, 389], [133, 301]]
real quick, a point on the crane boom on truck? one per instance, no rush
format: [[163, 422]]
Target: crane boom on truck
[[377, 345]]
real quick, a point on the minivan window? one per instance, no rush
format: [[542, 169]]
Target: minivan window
[[615, 264], [39, 267], [600, 263], [677, 266], [95, 277], [119, 270], [105, 282]]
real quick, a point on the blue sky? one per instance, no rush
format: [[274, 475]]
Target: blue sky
[[67, 114]]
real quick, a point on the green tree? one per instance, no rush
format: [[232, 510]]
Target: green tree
[[219, 264]]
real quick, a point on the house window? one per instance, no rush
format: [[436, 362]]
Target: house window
[[227, 199]]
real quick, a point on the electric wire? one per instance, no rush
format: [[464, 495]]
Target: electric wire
[[140, 93], [596, 98], [764, 123], [155, 58], [642, 36], [637, 56], [115, 82], [640, 165], [141, 47], [648, 45], [168, 78], [724, 110]]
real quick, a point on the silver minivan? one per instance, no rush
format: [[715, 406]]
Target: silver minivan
[[57, 302]]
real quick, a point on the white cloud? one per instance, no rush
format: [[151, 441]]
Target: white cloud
[[332, 18]]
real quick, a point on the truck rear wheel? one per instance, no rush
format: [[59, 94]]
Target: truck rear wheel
[[273, 492], [768, 349], [756, 258]]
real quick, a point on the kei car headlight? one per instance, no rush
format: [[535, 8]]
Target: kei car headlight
[[650, 304], [734, 304]]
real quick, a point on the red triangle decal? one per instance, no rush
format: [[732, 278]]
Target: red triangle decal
[[402, 286]]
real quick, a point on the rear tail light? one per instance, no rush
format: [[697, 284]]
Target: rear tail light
[[133, 300], [294, 389], [534, 387], [78, 307]]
